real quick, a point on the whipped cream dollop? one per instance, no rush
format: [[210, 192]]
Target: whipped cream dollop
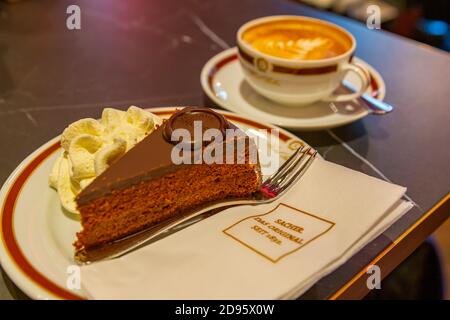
[[90, 146]]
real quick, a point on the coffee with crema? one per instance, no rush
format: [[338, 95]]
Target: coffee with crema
[[297, 40]]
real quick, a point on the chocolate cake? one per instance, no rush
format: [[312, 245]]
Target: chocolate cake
[[145, 186]]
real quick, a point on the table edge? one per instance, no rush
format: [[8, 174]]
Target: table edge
[[397, 251]]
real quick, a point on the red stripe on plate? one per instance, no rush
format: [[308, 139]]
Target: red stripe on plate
[[9, 238]]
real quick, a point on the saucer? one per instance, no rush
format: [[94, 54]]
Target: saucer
[[223, 81]]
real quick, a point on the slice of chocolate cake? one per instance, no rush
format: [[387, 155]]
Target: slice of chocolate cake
[[150, 184]]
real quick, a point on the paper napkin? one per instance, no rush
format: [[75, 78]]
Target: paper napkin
[[272, 251]]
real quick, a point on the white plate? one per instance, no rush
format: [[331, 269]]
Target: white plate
[[36, 248], [223, 81]]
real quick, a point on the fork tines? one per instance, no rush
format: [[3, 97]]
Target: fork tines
[[290, 171]]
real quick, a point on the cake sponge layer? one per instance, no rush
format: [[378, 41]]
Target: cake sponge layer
[[145, 204]]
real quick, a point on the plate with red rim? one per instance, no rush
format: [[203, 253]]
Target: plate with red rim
[[223, 82], [36, 247]]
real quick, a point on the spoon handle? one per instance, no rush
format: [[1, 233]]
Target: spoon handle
[[375, 105]]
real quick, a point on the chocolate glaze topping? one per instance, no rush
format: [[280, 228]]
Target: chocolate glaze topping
[[151, 158], [188, 117]]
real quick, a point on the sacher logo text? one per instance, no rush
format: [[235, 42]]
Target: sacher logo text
[[278, 233]]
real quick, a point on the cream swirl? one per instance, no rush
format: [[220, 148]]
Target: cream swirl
[[90, 146]]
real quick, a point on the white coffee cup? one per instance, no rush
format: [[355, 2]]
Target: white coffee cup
[[294, 82]]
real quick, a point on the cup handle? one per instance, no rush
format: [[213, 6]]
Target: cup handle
[[362, 73]]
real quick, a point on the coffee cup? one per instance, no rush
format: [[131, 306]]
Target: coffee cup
[[296, 60]]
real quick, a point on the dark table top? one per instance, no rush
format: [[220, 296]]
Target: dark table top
[[150, 53]]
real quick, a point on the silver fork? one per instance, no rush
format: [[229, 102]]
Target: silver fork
[[271, 189]]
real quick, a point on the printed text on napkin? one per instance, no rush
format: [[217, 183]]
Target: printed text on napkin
[[278, 232]]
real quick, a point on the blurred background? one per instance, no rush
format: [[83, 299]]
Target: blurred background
[[426, 21]]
